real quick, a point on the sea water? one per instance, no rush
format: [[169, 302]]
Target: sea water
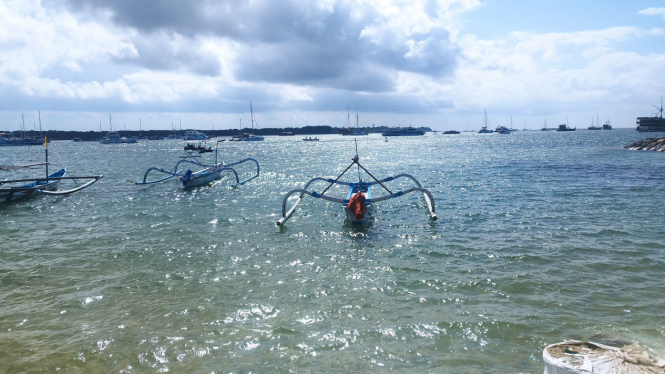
[[541, 237]]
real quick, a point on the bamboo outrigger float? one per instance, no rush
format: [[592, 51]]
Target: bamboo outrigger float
[[39, 186], [209, 173], [359, 198]]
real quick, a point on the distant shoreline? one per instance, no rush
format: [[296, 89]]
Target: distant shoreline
[[297, 131]]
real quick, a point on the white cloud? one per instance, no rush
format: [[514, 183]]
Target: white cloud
[[653, 12]]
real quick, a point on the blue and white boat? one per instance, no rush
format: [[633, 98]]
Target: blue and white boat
[[18, 188], [208, 173], [359, 199]]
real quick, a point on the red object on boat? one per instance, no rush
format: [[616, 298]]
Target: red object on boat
[[356, 205]]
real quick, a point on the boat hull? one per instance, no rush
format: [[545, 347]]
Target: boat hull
[[202, 177], [27, 190]]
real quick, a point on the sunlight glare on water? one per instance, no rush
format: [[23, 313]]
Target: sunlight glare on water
[[541, 237]]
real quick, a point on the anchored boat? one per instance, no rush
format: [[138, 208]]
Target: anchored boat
[[18, 188], [359, 199], [207, 174]]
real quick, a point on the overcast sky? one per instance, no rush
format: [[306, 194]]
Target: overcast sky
[[421, 63]]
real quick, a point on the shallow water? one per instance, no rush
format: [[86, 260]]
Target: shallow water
[[541, 237]]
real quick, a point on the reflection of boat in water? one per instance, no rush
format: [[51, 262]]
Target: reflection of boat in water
[[359, 198], [207, 174], [404, 131], [654, 123]]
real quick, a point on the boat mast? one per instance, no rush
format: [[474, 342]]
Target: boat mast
[[486, 122], [39, 113], [23, 127], [660, 110], [251, 116]]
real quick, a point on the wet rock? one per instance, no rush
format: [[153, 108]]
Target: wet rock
[[650, 144]]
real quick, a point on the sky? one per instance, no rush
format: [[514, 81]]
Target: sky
[[436, 63]]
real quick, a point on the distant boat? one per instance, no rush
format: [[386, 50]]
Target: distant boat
[[607, 125], [286, 133], [112, 138], [348, 131], [404, 131], [484, 130], [251, 137], [545, 128], [597, 126], [451, 132], [195, 135], [22, 140], [652, 124], [502, 130], [564, 127], [310, 139]]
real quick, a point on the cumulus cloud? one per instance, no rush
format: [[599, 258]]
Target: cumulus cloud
[[385, 56]]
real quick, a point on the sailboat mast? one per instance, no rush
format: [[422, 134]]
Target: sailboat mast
[[251, 116], [23, 126], [39, 113]]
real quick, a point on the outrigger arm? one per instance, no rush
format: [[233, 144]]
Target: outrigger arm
[[304, 191]]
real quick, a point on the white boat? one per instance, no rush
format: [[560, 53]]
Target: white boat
[[112, 138], [358, 201], [502, 130], [617, 356], [404, 131], [207, 174], [131, 140], [251, 137], [484, 129], [195, 135]]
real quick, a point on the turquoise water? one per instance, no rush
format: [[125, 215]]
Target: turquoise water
[[541, 237]]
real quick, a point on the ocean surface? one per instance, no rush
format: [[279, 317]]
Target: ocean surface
[[541, 237]]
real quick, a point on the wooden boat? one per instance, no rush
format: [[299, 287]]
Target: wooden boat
[[207, 174], [18, 188], [201, 147], [359, 198]]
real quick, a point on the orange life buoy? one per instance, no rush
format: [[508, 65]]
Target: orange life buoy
[[356, 205]]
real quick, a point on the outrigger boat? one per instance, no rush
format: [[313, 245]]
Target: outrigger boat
[[39, 186], [359, 198], [208, 174]]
